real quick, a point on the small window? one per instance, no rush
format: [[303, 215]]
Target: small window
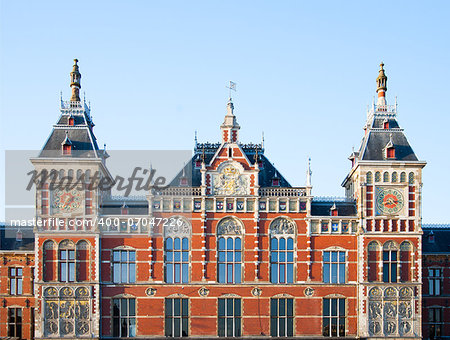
[[198, 163], [394, 177], [275, 182], [230, 152], [183, 181], [403, 177], [377, 176], [386, 125], [71, 121], [15, 281], [369, 178], [386, 177], [67, 265], [390, 153], [67, 149], [390, 262], [411, 178], [434, 281]]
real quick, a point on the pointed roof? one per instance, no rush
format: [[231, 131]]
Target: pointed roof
[[80, 135]]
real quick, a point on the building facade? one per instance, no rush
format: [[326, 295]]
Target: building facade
[[229, 248]]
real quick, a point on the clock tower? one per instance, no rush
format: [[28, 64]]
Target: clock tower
[[68, 170], [386, 183]]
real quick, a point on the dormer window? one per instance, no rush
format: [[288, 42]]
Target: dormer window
[[334, 210], [67, 149], [276, 182], [230, 152], [386, 124], [198, 163], [183, 181], [124, 209], [390, 153], [71, 121], [261, 164], [431, 237]]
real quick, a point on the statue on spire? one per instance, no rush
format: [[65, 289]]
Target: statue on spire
[[75, 82]]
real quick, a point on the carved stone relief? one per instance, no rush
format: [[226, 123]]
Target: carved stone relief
[[229, 181], [229, 226], [282, 225], [177, 227], [67, 311]]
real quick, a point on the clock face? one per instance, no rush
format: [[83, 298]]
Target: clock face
[[66, 201], [389, 201]]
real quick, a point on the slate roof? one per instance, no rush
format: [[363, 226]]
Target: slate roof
[[441, 242], [323, 208], [193, 174], [8, 239], [81, 136], [375, 141]]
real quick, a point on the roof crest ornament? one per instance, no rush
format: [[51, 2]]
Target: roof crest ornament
[[308, 173]]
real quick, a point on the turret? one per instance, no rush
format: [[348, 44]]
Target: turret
[[75, 82]]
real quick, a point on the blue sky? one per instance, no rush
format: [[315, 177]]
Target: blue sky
[[156, 71]]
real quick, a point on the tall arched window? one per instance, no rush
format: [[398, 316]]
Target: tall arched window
[[176, 251], [390, 261], [386, 176], [282, 235], [405, 261], [373, 251], [411, 178], [229, 247], [82, 261], [66, 261], [49, 261]]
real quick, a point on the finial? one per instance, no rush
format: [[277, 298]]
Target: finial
[[381, 87], [75, 82], [195, 138], [262, 140], [308, 173], [231, 87], [203, 154], [256, 155]]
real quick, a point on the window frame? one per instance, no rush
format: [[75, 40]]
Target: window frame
[[68, 263], [120, 263], [277, 264], [235, 265], [15, 326], [338, 265], [235, 316], [434, 281], [183, 317], [15, 281], [170, 266], [129, 317], [328, 317], [433, 324], [276, 319]]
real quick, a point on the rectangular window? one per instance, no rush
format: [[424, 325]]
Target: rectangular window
[[124, 266], [124, 318], [334, 266], [435, 322], [229, 317], [15, 281], [176, 317], [15, 323], [333, 317], [434, 281], [390, 265], [281, 317], [67, 265]]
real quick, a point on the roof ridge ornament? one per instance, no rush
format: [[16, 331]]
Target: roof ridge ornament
[[308, 173]]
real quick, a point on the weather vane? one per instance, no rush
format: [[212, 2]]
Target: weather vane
[[232, 86]]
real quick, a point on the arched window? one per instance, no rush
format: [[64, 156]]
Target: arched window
[[229, 247], [369, 178], [82, 261], [386, 177], [411, 178], [390, 261], [403, 177], [405, 261], [394, 177], [373, 251], [282, 234], [176, 251], [49, 261], [66, 261], [177, 260], [377, 176]]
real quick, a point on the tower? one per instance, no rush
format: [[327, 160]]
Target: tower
[[386, 182], [67, 174]]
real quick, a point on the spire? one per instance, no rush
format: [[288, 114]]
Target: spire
[[230, 127], [308, 173], [381, 86], [75, 82]]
